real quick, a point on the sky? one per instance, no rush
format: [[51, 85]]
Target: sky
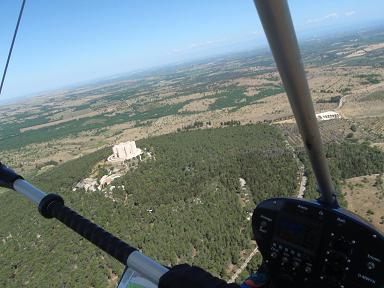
[[64, 42]]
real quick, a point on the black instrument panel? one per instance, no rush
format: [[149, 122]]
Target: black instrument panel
[[305, 244]]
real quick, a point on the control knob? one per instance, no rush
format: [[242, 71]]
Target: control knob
[[295, 264]]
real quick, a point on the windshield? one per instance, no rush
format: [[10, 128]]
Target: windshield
[[166, 123]]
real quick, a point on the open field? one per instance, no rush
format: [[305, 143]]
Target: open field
[[336, 131], [365, 198]]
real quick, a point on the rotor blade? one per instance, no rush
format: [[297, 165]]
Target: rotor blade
[[278, 26]]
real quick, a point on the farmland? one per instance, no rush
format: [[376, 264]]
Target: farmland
[[242, 87]]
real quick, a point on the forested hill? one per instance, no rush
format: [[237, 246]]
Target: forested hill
[[186, 204]]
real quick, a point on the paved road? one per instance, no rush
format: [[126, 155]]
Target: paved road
[[303, 184], [244, 265]]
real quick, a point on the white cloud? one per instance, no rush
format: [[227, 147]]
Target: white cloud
[[198, 45], [331, 16], [328, 17], [312, 21], [176, 50], [350, 13], [209, 44], [216, 43], [202, 44]]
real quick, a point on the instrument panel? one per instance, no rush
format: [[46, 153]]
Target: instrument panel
[[305, 244]]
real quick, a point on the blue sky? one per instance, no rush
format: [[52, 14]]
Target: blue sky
[[62, 42]]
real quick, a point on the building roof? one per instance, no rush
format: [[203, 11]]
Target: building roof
[[328, 113]]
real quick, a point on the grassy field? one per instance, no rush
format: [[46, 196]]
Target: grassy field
[[375, 96], [365, 196]]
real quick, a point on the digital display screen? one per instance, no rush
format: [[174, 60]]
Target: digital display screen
[[298, 233]]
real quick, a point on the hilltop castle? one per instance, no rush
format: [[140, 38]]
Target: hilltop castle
[[124, 151]]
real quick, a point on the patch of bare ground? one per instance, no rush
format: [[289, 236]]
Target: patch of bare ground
[[68, 114], [365, 198], [181, 99], [68, 103], [353, 107], [199, 105], [329, 81], [270, 108], [373, 125], [362, 110], [35, 158], [57, 122], [164, 125], [379, 145], [362, 50], [252, 81], [253, 85]]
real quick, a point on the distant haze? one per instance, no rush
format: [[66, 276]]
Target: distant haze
[[66, 42]]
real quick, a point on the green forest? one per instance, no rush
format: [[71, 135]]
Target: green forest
[[183, 204]]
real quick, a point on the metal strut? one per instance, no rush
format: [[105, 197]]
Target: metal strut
[[11, 48], [52, 206], [278, 26]]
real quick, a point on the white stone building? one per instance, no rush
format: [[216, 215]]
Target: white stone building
[[329, 115], [107, 180], [124, 151]]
